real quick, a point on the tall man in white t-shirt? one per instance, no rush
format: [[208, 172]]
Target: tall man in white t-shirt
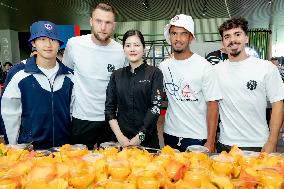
[[247, 82], [192, 89], [93, 57]]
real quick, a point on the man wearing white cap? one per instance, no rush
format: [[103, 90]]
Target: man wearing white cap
[[192, 90]]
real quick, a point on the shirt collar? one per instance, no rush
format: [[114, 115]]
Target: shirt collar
[[141, 67], [31, 67]]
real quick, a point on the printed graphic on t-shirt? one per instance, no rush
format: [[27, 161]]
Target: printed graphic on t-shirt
[[110, 68], [251, 85], [180, 90], [213, 59]]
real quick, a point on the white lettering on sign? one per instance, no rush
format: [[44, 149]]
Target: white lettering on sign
[[5, 49], [5, 40]]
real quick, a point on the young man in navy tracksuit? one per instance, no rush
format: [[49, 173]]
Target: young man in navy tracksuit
[[37, 99]]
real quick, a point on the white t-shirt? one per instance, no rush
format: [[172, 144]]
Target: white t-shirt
[[50, 73], [92, 65], [189, 84], [246, 87]]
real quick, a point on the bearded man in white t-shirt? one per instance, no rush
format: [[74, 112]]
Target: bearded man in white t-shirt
[[93, 58], [247, 82], [192, 89]]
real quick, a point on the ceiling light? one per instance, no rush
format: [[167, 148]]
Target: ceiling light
[[204, 11], [8, 6], [145, 4]]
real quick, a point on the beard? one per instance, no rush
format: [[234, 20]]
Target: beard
[[180, 47], [96, 35], [178, 51], [235, 53]]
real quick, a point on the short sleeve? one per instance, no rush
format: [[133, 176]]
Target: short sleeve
[[210, 84]]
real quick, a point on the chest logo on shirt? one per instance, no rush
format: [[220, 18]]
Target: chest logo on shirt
[[180, 90], [251, 85], [110, 68], [187, 91], [144, 81]]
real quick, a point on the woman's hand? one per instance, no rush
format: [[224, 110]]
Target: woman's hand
[[135, 141], [123, 141]]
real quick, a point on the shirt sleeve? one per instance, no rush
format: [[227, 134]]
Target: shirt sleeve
[[11, 110], [210, 84], [153, 112], [111, 99], [274, 84], [72, 95], [67, 56]]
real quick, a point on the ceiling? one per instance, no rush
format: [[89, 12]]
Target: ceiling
[[19, 14]]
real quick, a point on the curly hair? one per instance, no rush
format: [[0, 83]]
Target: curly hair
[[234, 23]]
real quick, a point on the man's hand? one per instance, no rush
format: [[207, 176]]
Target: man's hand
[[275, 125], [210, 146], [269, 147], [212, 122], [135, 141]]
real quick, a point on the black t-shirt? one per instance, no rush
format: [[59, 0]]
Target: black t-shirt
[[216, 56]]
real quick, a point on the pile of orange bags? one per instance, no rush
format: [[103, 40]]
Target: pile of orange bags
[[133, 168]]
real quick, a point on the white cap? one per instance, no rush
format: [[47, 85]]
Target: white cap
[[180, 20]]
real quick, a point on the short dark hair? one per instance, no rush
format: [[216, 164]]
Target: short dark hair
[[234, 23], [103, 6], [130, 33], [274, 58], [8, 63]]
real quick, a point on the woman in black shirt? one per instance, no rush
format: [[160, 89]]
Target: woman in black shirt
[[133, 97]]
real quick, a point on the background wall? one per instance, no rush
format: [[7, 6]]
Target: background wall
[[9, 46], [278, 41], [205, 29], [206, 32]]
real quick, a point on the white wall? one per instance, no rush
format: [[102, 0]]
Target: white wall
[[205, 29], [278, 41], [203, 48], [206, 32], [9, 46]]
